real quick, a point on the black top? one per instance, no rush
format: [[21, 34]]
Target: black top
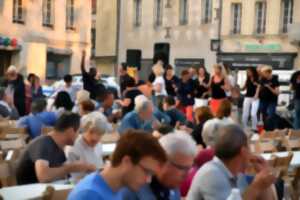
[[295, 81], [200, 89], [265, 94], [41, 148], [130, 94], [250, 88], [171, 85], [197, 134], [185, 93], [297, 90], [19, 94], [89, 83], [123, 82], [216, 89]]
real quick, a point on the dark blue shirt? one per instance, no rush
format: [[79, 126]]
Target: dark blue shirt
[[176, 116], [93, 187]]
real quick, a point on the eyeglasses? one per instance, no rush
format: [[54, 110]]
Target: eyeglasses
[[147, 171], [180, 167]]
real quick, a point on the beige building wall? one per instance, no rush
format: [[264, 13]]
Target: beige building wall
[[237, 43], [187, 41], [36, 39], [106, 36]]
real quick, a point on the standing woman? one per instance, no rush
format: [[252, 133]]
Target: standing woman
[[251, 101], [201, 85], [185, 94], [171, 81], [159, 84], [268, 93], [219, 85]]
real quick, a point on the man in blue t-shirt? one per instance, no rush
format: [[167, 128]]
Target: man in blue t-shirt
[[181, 150], [37, 119], [136, 158]]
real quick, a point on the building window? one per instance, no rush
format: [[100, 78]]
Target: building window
[[183, 12], [18, 12], [260, 13], [206, 11], [287, 11], [48, 13], [70, 13], [137, 13], [93, 38], [158, 13], [236, 16], [94, 7]]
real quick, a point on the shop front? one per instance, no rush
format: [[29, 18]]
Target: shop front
[[240, 61], [8, 49]]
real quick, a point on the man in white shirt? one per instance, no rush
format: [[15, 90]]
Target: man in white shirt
[[87, 147]]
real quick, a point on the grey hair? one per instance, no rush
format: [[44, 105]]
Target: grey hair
[[211, 130], [230, 141], [141, 103], [178, 142], [94, 120]]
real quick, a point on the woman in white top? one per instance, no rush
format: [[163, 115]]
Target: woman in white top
[[87, 147], [159, 84]]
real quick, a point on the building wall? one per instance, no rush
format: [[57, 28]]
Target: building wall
[[188, 41], [237, 43], [36, 39], [106, 35]]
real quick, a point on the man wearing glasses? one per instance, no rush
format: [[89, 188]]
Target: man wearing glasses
[[137, 157], [181, 151]]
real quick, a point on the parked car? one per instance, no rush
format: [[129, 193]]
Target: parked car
[[108, 81]]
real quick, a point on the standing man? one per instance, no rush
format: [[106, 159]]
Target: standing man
[[88, 78]]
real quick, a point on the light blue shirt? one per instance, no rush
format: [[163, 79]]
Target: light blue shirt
[[214, 181], [132, 121], [93, 187]]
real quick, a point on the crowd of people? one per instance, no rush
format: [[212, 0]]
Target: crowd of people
[[178, 135]]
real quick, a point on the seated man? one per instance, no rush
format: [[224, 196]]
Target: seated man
[[43, 160], [136, 158], [107, 107], [171, 110], [141, 118], [181, 150], [217, 178], [38, 118], [87, 146], [7, 108]]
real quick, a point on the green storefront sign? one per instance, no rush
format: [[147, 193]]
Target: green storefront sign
[[263, 47]]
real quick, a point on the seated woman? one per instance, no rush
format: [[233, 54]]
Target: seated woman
[[87, 147], [62, 103], [202, 114]]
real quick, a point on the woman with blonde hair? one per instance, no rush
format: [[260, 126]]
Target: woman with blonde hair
[[268, 92], [159, 84], [218, 85]]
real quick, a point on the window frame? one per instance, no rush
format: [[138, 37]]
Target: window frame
[[236, 18], [260, 17], [206, 8], [183, 12], [70, 15], [137, 14], [286, 15], [18, 15], [48, 13], [158, 13]]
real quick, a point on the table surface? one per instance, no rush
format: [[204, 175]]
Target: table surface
[[295, 160], [30, 191]]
